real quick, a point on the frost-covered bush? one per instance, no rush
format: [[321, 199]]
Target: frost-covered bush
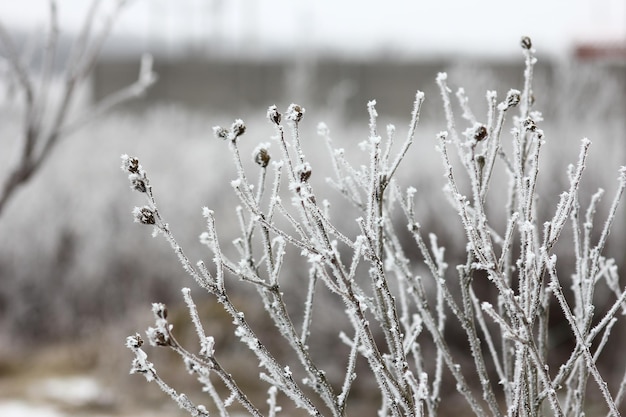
[[401, 295]]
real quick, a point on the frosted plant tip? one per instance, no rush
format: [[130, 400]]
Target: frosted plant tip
[[207, 212], [238, 128], [134, 342], [273, 115], [295, 112], [529, 124], [480, 132], [220, 132], [137, 183], [513, 98], [261, 156], [130, 164], [159, 310], [144, 215]]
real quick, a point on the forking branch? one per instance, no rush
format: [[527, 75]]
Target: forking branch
[[46, 122]]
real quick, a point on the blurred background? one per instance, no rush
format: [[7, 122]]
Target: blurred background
[[77, 276]]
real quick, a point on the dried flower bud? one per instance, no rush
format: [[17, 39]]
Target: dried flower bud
[[130, 164], [529, 124], [159, 310], [273, 115], [513, 98], [134, 342], [303, 171], [480, 133], [526, 43], [261, 156], [220, 132], [158, 336], [144, 215], [480, 161], [137, 183], [238, 128], [295, 112], [142, 366]]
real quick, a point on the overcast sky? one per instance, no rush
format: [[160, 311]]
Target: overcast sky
[[484, 27]]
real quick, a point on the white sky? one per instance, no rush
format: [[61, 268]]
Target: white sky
[[484, 27]]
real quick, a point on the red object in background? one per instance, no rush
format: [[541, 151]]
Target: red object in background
[[595, 51]]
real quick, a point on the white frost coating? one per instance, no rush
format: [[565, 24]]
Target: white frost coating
[[315, 259], [205, 238], [207, 346], [207, 212]]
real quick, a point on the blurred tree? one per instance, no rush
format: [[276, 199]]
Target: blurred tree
[[45, 121]]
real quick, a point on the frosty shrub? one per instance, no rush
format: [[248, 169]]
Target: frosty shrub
[[401, 294]]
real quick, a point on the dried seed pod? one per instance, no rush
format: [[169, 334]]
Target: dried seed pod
[[480, 133], [238, 128], [303, 172], [526, 43], [134, 342], [137, 183], [144, 215], [159, 310], [158, 337], [513, 98], [529, 124], [480, 161], [261, 156], [130, 164], [295, 112], [220, 132], [274, 115]]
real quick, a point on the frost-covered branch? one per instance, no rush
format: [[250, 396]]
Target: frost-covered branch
[[402, 301]]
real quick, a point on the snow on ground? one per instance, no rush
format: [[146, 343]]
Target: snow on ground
[[21, 408], [68, 396], [71, 391]]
